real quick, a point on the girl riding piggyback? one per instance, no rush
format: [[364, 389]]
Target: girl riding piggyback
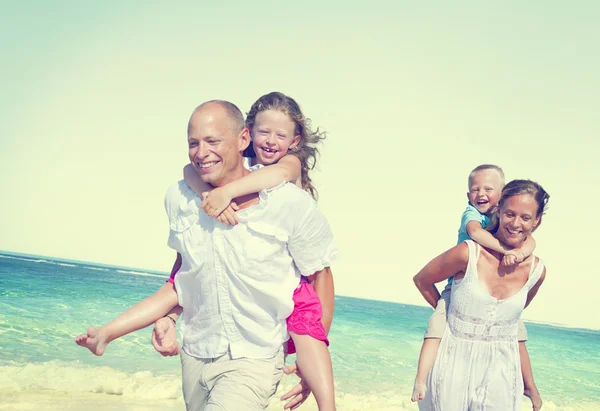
[[282, 150]]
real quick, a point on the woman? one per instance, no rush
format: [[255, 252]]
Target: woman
[[478, 366]]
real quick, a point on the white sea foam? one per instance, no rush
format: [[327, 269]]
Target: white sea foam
[[141, 273], [31, 260], [39, 261], [77, 378], [561, 325], [61, 385], [97, 268]]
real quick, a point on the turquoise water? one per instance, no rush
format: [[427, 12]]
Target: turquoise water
[[45, 302]]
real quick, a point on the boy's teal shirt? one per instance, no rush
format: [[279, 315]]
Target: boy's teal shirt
[[470, 214]]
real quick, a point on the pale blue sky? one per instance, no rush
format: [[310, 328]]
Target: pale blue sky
[[96, 98]]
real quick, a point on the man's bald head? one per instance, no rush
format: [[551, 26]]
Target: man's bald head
[[234, 114], [216, 139]]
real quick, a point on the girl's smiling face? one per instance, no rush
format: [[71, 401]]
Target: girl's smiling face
[[273, 134]]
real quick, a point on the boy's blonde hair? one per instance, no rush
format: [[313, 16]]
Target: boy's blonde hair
[[485, 167]]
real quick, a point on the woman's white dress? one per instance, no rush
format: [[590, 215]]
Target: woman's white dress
[[478, 365]]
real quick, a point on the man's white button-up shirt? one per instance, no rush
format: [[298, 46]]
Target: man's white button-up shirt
[[236, 283]]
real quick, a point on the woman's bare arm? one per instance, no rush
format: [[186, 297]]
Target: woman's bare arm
[[452, 262]]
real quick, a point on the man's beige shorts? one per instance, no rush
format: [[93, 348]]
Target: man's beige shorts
[[437, 322], [224, 384]]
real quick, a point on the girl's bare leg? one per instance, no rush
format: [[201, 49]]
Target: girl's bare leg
[[427, 357], [141, 315], [314, 363]]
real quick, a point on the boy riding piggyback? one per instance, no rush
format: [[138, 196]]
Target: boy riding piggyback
[[479, 219]]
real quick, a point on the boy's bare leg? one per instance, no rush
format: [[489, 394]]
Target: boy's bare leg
[[530, 389], [135, 318], [427, 357], [314, 362]]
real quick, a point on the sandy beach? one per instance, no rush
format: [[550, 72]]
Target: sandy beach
[[53, 401]]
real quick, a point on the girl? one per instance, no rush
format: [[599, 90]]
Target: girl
[[277, 126], [283, 140]]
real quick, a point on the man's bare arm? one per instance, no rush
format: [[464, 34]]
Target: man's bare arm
[[322, 282]]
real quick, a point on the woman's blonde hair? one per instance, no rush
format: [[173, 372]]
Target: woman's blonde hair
[[306, 149]]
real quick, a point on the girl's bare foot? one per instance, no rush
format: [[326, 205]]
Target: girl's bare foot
[[94, 340], [418, 391], [535, 397]]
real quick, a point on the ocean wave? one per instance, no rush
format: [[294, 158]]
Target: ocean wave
[[561, 325], [61, 380], [141, 273], [39, 261], [78, 378], [97, 268], [31, 260], [66, 384]]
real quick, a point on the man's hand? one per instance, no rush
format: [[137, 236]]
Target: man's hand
[[299, 393], [164, 337]]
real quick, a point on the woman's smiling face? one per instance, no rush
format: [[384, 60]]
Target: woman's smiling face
[[518, 218]]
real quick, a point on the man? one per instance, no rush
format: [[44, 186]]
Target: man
[[235, 283]]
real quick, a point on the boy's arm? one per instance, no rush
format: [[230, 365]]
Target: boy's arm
[[517, 255], [439, 269], [286, 169], [528, 246], [484, 237]]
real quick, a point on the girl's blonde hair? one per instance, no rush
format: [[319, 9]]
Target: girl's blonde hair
[[306, 150]]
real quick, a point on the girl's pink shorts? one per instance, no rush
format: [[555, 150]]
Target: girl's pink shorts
[[306, 317]]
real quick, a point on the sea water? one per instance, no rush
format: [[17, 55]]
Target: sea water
[[45, 302]]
